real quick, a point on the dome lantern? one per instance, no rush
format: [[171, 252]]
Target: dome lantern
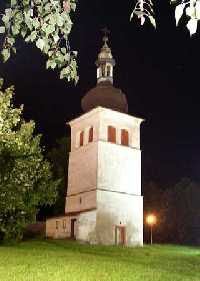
[[105, 62]]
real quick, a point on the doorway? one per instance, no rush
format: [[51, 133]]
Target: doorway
[[120, 235], [73, 228]]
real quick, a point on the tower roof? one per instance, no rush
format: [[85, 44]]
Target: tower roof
[[105, 94]]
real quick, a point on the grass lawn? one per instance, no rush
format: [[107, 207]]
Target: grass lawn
[[66, 260]]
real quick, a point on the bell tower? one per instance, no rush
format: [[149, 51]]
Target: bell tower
[[104, 176]]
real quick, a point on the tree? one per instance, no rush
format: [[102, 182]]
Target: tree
[[45, 23], [191, 8], [26, 180], [59, 156], [182, 211]]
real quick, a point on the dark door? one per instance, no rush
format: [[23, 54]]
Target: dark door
[[73, 228], [120, 235]]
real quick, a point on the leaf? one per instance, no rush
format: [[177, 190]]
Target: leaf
[[14, 50], [152, 20], [33, 36], [2, 29], [49, 29], [60, 21], [40, 44], [10, 40], [56, 38], [6, 54], [190, 11], [132, 14], [179, 12], [198, 10], [13, 2], [1, 83], [192, 26], [63, 50]]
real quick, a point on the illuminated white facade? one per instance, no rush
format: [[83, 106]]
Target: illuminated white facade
[[104, 179]]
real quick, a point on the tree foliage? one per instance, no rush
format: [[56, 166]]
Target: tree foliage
[[190, 8], [45, 23], [59, 156], [26, 181], [177, 210], [183, 212]]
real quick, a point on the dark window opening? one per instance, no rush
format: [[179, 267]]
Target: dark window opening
[[57, 224], [124, 137], [91, 134], [108, 70], [111, 134], [73, 228], [81, 138], [103, 70]]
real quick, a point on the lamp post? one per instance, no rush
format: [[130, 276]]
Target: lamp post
[[151, 221]]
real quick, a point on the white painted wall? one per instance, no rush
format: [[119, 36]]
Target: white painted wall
[[82, 171], [119, 168], [107, 177], [87, 227], [115, 209]]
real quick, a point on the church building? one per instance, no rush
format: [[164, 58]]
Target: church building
[[103, 203]]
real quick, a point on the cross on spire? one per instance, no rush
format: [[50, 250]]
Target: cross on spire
[[106, 31]]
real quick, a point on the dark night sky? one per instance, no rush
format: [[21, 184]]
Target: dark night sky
[[157, 70]]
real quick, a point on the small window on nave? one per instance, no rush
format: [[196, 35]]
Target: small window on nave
[[81, 138], [91, 134], [111, 134], [57, 224], [124, 137]]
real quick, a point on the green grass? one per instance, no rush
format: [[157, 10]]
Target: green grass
[[65, 260]]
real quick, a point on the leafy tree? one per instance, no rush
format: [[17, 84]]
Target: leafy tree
[[191, 8], [26, 181], [59, 156], [45, 23], [182, 211]]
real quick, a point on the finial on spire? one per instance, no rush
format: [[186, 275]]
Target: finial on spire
[[106, 32]]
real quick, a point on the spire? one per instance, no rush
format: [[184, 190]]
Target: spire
[[105, 61]]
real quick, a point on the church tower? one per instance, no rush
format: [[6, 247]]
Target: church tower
[[104, 203]]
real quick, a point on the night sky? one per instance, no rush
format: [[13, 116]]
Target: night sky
[[157, 70]]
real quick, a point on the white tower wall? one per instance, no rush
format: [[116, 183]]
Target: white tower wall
[[104, 184]]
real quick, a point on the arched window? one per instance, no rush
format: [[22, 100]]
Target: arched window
[[111, 134], [103, 70], [108, 70], [81, 138], [124, 137], [90, 135]]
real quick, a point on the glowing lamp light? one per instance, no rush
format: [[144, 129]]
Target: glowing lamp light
[[151, 221]]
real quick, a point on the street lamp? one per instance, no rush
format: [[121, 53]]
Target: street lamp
[[151, 221]]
